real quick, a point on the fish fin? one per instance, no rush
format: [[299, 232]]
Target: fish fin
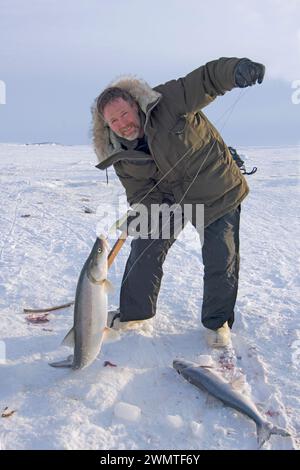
[[266, 429], [238, 383], [110, 335], [65, 363], [69, 339], [260, 406], [211, 401], [108, 286]]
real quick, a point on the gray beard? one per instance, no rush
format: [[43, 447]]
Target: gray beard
[[129, 144], [135, 136]]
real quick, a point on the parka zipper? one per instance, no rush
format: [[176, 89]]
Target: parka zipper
[[146, 122]]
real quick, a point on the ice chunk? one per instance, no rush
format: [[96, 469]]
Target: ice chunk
[[175, 421], [205, 361], [197, 429], [219, 429], [127, 412]]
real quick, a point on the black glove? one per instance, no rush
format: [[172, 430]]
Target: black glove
[[246, 73]]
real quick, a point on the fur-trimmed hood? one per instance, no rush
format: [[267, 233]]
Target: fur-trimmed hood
[[104, 139]]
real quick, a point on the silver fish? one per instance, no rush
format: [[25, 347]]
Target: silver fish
[[214, 384], [90, 310]]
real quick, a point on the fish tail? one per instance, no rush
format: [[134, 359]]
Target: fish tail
[[65, 363], [265, 430]]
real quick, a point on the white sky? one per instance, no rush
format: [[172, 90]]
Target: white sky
[[55, 51]]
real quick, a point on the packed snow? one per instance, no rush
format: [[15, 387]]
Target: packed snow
[[54, 202]]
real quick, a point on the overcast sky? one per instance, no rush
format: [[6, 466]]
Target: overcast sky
[[57, 55]]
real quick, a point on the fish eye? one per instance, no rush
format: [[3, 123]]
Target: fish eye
[[99, 250]]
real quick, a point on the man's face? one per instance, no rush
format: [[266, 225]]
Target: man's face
[[123, 118]]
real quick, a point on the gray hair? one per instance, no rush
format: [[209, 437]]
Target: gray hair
[[111, 94]]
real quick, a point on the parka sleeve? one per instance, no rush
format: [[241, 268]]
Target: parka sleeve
[[201, 86]]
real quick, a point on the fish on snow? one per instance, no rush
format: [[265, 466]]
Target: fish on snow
[[90, 309], [211, 382]]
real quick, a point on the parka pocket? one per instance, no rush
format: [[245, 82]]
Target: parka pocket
[[192, 130], [180, 126], [193, 121]]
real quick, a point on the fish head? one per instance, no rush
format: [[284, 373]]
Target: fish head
[[97, 266], [180, 364]]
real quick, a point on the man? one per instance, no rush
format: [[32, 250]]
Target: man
[[164, 149]]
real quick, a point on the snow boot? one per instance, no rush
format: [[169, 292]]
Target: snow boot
[[113, 321], [219, 338]]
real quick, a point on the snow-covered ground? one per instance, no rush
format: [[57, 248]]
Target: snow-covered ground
[[47, 231]]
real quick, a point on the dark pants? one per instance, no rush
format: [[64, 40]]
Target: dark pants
[[220, 253]]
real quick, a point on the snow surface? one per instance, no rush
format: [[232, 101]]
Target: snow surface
[[49, 199]]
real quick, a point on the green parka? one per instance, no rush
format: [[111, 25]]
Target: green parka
[[189, 160]]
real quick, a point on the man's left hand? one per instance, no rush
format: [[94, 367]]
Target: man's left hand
[[247, 73]]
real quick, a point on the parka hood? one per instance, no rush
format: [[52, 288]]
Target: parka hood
[[104, 139]]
